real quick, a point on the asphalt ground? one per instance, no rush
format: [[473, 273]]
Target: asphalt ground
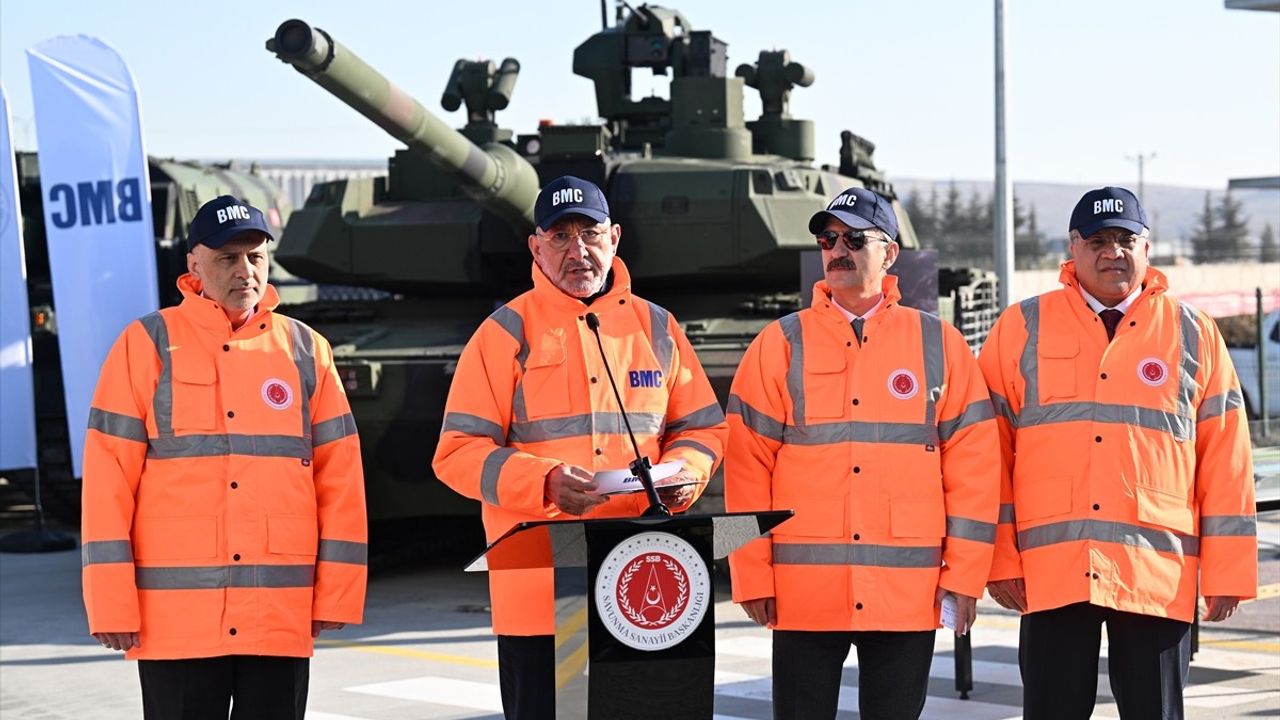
[[425, 649]]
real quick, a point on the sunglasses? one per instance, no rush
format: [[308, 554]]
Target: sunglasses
[[855, 240]]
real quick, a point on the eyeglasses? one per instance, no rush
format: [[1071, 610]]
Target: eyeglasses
[[1098, 243], [591, 237], [855, 240]]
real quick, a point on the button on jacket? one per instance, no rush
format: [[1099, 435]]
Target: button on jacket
[[223, 492], [885, 452], [1127, 463], [530, 393]]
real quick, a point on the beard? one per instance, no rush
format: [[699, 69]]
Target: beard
[[573, 283]]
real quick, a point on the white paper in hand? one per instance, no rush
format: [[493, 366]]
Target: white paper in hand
[[949, 611], [616, 482]]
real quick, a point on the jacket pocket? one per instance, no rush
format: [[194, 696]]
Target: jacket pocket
[[195, 394], [175, 538], [825, 386], [816, 516], [292, 534], [1166, 509], [1057, 372], [917, 518], [546, 378], [1034, 499]]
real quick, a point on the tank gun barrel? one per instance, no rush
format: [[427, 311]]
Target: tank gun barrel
[[495, 175]]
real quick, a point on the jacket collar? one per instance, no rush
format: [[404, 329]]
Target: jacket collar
[[208, 314], [546, 291], [822, 301], [1155, 281]]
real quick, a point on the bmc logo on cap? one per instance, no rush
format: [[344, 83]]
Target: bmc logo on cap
[[233, 212], [567, 195], [1108, 205], [849, 199]]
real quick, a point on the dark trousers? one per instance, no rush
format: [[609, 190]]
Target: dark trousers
[[1147, 660], [893, 673], [527, 674], [251, 687]]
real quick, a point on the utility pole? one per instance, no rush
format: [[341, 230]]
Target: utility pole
[[1003, 200], [1141, 159]]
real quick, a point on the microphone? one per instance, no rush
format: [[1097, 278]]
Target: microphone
[[640, 466]]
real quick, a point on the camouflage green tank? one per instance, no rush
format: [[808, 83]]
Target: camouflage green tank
[[714, 208]]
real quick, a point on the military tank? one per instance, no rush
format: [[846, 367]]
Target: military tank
[[714, 210]]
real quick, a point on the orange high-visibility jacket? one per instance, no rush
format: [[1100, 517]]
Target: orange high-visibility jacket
[[531, 393], [886, 454], [223, 492], [1127, 465]]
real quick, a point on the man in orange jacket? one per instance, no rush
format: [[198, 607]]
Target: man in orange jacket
[[224, 519], [1127, 473], [871, 421], [531, 417]]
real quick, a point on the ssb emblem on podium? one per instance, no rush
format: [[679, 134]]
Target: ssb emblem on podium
[[652, 591]]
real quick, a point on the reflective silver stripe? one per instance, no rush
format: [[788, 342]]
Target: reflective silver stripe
[[1007, 514], [1110, 532], [1228, 525], [791, 330], [855, 431], [117, 425], [333, 429], [663, 346], [1028, 364], [931, 340], [510, 320], [187, 446], [225, 576], [491, 470], [1218, 405], [978, 411], [1149, 418], [694, 444], [755, 420], [162, 400], [600, 423], [105, 551], [474, 425], [707, 417], [343, 551], [1188, 368], [976, 530], [304, 358], [1002, 408], [866, 555]]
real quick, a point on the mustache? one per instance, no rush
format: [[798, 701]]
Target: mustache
[[841, 263]]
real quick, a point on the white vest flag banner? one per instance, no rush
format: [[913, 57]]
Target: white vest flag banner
[[97, 208], [17, 399]]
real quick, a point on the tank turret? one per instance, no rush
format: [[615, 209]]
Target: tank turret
[[714, 211], [492, 174]]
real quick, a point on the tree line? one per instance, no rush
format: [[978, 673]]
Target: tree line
[[961, 230], [1221, 234]]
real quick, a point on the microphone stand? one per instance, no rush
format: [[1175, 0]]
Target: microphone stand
[[640, 466]]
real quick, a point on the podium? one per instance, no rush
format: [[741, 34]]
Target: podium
[[635, 607]]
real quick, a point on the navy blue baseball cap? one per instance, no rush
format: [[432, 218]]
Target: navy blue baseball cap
[[224, 218], [860, 209], [569, 195], [1108, 207]]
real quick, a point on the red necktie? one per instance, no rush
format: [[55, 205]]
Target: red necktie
[[1111, 318]]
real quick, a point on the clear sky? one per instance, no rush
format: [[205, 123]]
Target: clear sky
[[1091, 82]]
